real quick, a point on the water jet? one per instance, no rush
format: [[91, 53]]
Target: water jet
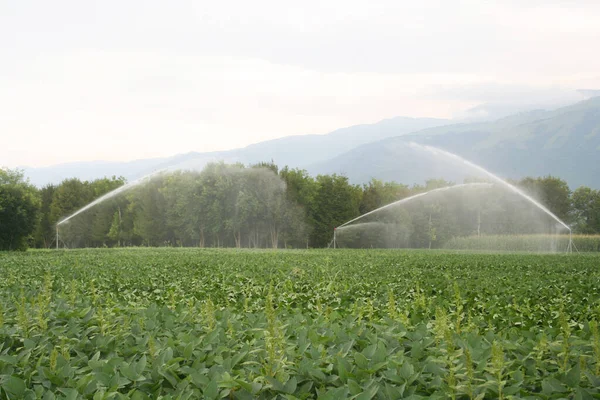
[[492, 180]]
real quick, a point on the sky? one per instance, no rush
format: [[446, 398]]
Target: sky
[[124, 80]]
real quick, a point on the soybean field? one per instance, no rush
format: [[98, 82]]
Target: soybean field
[[170, 323]]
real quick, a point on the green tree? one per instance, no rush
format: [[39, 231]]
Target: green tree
[[179, 191], [150, 209], [91, 227], [45, 230], [102, 215], [69, 196], [552, 192], [267, 165], [19, 204], [586, 210], [115, 233], [301, 191], [378, 193], [336, 202]]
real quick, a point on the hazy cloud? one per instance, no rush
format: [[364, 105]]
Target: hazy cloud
[[125, 80]]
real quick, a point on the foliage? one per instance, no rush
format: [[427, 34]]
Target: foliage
[[377, 194], [19, 204], [586, 210], [70, 196], [336, 202], [190, 323], [45, 232], [262, 206], [221, 206], [553, 192], [226, 206]]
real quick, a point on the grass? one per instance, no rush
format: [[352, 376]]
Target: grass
[[365, 324]]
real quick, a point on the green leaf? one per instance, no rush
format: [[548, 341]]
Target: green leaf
[[70, 394], [353, 387], [514, 389], [342, 370], [367, 394], [377, 367], [275, 384], [245, 385], [140, 366], [317, 374], [407, 370], [211, 391], [551, 386], [10, 360], [334, 394], [188, 350], [139, 395], [290, 385], [583, 394], [200, 380], [361, 361], [394, 392], [114, 382], [14, 386], [48, 396], [237, 358], [573, 377], [129, 372]]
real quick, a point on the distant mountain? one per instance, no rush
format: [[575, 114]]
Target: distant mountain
[[87, 170], [295, 151], [564, 142], [301, 151]]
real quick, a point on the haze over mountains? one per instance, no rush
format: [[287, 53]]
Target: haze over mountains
[[564, 142], [295, 151]]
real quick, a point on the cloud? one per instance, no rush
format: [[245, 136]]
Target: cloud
[[123, 80], [125, 105]]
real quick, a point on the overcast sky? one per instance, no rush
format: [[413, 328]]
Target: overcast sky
[[121, 80]]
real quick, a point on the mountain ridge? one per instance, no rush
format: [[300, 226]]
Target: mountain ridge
[[564, 142], [295, 151]]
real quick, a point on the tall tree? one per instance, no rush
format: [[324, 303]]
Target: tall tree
[[150, 221], [45, 230], [19, 205], [586, 210], [91, 227], [301, 190], [378, 193], [336, 202], [552, 192]]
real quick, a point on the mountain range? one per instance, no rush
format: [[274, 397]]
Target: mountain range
[[563, 142], [295, 151]]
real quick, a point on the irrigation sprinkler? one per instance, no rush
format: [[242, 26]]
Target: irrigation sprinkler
[[571, 244], [334, 242], [57, 240], [456, 159]]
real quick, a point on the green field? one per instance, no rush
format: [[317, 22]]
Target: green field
[[532, 243], [328, 324]]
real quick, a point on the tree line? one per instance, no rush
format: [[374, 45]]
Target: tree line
[[227, 206]]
